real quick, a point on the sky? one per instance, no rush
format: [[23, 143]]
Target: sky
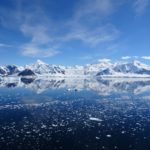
[[69, 32]]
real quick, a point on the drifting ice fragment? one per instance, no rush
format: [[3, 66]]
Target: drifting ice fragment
[[108, 135], [95, 119]]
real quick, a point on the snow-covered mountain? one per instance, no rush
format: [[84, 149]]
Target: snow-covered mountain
[[3, 70], [103, 68], [41, 68], [100, 66], [26, 72], [127, 69], [133, 67], [10, 70]]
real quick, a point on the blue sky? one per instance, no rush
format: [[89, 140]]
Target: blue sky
[[73, 31]]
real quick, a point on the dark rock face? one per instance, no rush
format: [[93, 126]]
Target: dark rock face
[[12, 69], [26, 72], [27, 80], [59, 70], [2, 72], [11, 85], [143, 71], [104, 72]]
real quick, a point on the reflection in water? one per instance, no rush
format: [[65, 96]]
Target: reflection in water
[[11, 85], [71, 114], [27, 80], [105, 86]]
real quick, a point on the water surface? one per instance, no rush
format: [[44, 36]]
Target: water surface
[[74, 114]]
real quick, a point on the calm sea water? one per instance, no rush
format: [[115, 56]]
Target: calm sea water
[[74, 114]]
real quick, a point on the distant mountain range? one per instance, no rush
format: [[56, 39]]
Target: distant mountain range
[[102, 68]]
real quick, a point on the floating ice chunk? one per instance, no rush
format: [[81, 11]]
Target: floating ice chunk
[[54, 125], [28, 132], [68, 89], [123, 132], [69, 130], [43, 126], [95, 119], [108, 135], [97, 137]]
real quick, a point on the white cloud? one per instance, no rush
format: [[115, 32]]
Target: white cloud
[[126, 57], [40, 44], [86, 25], [146, 57], [140, 6], [32, 50], [93, 13], [129, 57], [94, 36], [92, 9], [38, 33]]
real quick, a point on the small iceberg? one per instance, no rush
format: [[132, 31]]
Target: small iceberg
[[95, 119]]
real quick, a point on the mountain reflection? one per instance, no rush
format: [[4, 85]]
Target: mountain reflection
[[105, 86], [27, 80]]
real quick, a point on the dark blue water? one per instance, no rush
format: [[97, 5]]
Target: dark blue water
[[75, 114]]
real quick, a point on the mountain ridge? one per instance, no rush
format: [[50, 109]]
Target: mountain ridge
[[102, 68]]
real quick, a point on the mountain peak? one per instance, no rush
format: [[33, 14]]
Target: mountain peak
[[40, 62], [136, 62]]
